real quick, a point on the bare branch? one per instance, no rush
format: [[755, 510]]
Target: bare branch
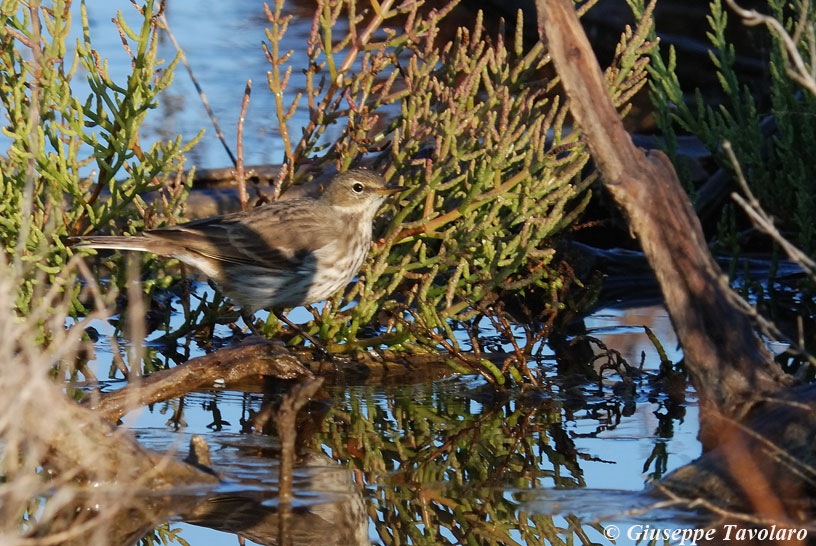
[[796, 67]]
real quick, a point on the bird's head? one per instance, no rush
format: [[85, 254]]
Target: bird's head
[[357, 189]]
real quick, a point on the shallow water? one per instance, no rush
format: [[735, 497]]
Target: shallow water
[[222, 43], [452, 454]]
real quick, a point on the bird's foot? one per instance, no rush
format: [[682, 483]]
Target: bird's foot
[[317, 345], [325, 354], [249, 320]]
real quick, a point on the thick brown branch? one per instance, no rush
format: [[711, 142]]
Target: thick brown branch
[[221, 367], [728, 365]]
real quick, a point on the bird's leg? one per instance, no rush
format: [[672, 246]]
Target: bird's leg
[[249, 320], [319, 346]]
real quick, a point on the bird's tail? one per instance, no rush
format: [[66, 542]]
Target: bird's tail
[[112, 242]]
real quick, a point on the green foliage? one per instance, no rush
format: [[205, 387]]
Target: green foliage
[[54, 136], [773, 146], [474, 126], [472, 123]]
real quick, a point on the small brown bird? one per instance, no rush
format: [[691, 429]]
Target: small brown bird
[[283, 254]]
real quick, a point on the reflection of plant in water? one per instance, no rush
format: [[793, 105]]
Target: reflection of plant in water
[[442, 467], [441, 464]]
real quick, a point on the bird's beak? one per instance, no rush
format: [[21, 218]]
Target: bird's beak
[[391, 190]]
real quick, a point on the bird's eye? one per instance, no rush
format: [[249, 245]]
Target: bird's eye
[[357, 187]]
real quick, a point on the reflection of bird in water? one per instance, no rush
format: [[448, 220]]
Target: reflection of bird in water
[[336, 516]]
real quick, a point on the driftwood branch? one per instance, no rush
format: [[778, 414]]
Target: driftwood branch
[[221, 367], [729, 367]]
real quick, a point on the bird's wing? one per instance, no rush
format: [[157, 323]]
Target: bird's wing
[[279, 235]]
